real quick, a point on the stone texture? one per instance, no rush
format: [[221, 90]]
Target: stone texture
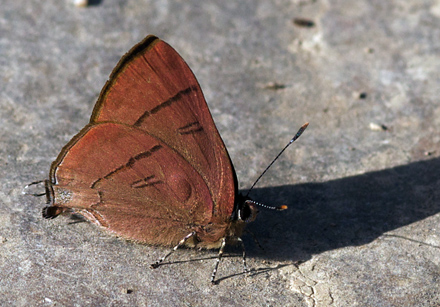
[[361, 183]]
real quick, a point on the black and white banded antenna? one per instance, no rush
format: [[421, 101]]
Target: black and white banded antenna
[[283, 207]]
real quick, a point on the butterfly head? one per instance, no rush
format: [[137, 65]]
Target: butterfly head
[[245, 210]]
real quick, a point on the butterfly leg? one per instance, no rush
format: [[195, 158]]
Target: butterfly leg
[[220, 254], [255, 239], [25, 190], [245, 270], [181, 242]]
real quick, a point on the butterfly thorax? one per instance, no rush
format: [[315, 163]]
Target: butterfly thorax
[[231, 228]]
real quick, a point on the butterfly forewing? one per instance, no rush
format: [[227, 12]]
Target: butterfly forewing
[[153, 89]]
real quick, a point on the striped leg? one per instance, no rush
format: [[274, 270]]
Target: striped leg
[[181, 242], [244, 255], [220, 254]]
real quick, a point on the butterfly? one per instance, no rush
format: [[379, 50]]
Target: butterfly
[[150, 166]]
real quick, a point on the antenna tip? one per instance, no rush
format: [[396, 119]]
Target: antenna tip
[[283, 207], [305, 125]]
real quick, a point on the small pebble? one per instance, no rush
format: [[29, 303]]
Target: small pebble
[[302, 22], [126, 291], [362, 95], [81, 3], [377, 127], [273, 86], [359, 95]]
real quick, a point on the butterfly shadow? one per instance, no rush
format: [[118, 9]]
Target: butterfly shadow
[[351, 211], [178, 259], [253, 272]]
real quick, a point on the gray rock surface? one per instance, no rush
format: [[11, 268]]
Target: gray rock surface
[[362, 183]]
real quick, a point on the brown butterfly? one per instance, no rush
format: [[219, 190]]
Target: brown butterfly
[[151, 166]]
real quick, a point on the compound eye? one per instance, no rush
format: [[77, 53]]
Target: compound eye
[[248, 212]]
